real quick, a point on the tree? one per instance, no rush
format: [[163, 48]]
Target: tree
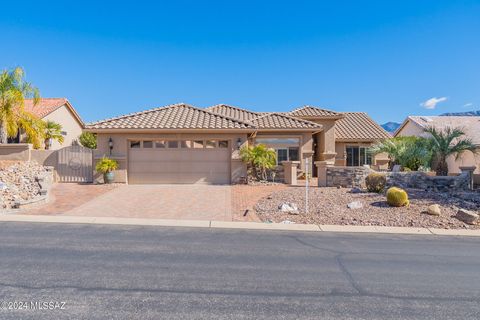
[[52, 131], [445, 143], [88, 140], [34, 129], [259, 158], [13, 92], [409, 152]]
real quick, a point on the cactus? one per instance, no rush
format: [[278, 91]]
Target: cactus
[[375, 182], [397, 197]]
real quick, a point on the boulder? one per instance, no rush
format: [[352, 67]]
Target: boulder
[[356, 190], [289, 207], [434, 210], [467, 216], [355, 205]]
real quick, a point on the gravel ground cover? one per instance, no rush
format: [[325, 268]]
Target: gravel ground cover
[[329, 206], [18, 182]]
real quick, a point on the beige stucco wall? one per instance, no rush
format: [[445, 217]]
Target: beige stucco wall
[[325, 139], [120, 149], [465, 159], [15, 151], [69, 124]]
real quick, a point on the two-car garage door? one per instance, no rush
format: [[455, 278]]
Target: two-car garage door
[[174, 161]]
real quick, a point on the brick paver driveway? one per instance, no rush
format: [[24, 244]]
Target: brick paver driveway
[[195, 202]]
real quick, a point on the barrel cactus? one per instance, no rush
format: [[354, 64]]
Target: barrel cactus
[[375, 182], [397, 197]]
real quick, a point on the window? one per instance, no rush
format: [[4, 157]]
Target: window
[[134, 144], [223, 144], [148, 144], [358, 156], [198, 144], [172, 144], [282, 155], [293, 154], [160, 144], [185, 144], [211, 144]]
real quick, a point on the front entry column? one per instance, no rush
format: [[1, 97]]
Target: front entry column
[[322, 171], [290, 172]]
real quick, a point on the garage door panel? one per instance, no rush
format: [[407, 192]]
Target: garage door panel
[[210, 166]]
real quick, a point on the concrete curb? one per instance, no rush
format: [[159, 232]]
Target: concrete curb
[[235, 225]]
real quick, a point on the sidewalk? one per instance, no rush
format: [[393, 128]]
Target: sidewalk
[[235, 225]]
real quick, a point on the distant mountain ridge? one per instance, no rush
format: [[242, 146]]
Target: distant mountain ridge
[[460, 114], [391, 126]]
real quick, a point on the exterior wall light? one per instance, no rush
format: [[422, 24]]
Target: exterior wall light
[[110, 145], [239, 143]]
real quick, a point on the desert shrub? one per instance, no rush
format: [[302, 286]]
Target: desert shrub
[[397, 197], [88, 140], [407, 169], [375, 182]]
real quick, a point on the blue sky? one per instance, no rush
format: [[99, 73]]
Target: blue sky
[[382, 57]]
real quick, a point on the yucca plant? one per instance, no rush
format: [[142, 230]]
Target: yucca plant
[[13, 92], [448, 142]]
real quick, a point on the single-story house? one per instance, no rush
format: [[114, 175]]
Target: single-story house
[[181, 143], [59, 110], [416, 125]]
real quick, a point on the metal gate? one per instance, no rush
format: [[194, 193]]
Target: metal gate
[[75, 164]]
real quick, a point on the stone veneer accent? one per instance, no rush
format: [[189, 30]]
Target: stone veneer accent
[[355, 177]]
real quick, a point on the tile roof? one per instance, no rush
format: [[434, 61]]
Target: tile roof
[[233, 112], [314, 112], [45, 106], [358, 126], [176, 116], [469, 124], [281, 121]]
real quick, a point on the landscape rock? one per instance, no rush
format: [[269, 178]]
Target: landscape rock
[[355, 205], [19, 182], [356, 190], [434, 210], [289, 207], [467, 216]]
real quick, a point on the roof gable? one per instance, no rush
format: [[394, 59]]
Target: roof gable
[[314, 112], [176, 116], [233, 112], [358, 126], [47, 106]]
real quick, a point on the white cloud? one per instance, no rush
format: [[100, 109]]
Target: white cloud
[[466, 105], [432, 102]]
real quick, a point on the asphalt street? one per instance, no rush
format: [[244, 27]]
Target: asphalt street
[[129, 272]]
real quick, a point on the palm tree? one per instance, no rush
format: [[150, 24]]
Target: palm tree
[[260, 158], [52, 131], [445, 143], [34, 129], [409, 152], [13, 92]]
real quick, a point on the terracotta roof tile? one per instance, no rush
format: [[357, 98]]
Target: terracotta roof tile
[[45, 106], [233, 112], [176, 116], [281, 121], [358, 126], [314, 112]]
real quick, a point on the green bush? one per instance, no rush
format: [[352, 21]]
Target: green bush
[[397, 197], [376, 182], [106, 165], [88, 140]]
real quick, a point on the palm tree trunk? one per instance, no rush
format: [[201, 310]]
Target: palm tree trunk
[[442, 168], [3, 133]]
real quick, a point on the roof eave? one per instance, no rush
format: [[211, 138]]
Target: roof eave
[[173, 131]]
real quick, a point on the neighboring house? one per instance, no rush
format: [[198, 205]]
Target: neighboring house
[[183, 144], [60, 111], [415, 126]]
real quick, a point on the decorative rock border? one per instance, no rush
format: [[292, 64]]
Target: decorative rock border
[[45, 182]]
